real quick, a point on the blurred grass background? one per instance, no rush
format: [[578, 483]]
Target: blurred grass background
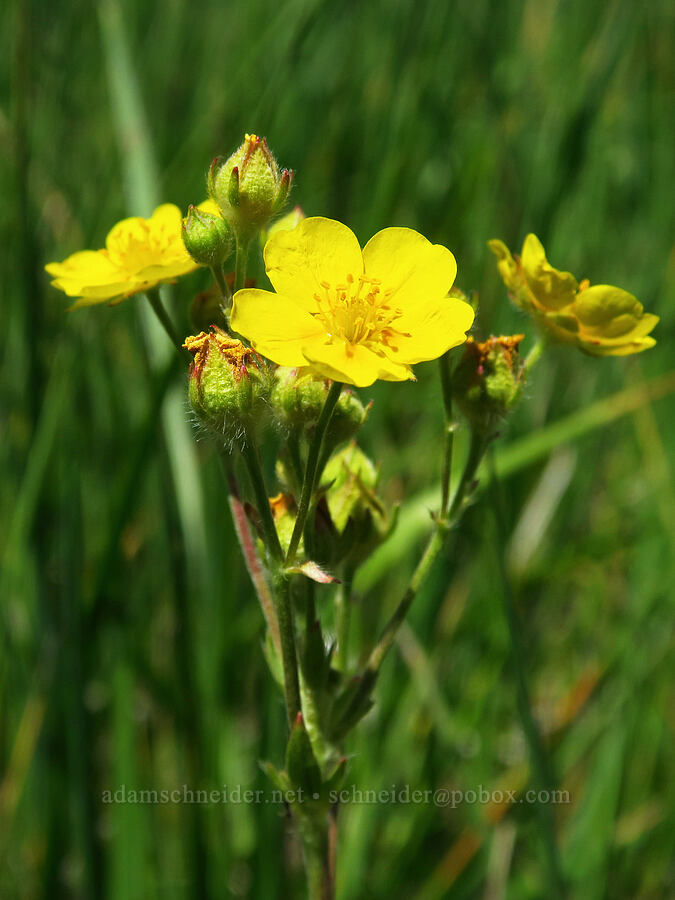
[[130, 634]]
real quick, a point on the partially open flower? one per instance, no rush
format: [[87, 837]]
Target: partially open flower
[[139, 254], [249, 187], [601, 319], [228, 385], [488, 380]]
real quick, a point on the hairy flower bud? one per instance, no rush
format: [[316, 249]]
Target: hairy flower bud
[[228, 385], [488, 380], [298, 398], [249, 188], [207, 237]]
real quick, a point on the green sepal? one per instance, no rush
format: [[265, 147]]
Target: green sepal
[[351, 705], [278, 777], [301, 765], [337, 777]]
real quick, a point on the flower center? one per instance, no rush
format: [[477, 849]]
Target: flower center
[[133, 251], [358, 311]]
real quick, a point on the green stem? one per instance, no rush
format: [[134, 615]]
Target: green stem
[[282, 595], [223, 288], [477, 447], [446, 387], [540, 764], [311, 469], [437, 539], [534, 355], [293, 444], [289, 656], [249, 551], [344, 616], [240, 261], [317, 856], [252, 461], [165, 320]]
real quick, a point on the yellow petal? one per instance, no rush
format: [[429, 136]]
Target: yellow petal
[[352, 363], [438, 326], [317, 250], [276, 326], [606, 311], [211, 207], [414, 269], [117, 239], [89, 270], [628, 349], [551, 288], [508, 268], [167, 216]]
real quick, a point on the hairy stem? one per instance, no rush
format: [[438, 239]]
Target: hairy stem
[[344, 615], [165, 320], [311, 469], [240, 262], [534, 355], [446, 387], [318, 856], [250, 553], [289, 656], [223, 289], [252, 461]]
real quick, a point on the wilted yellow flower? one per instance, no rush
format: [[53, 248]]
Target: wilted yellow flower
[[352, 315], [139, 254], [601, 320]]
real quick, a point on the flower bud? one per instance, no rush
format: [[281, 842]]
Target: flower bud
[[298, 398], [248, 187], [207, 237], [228, 385], [488, 380]]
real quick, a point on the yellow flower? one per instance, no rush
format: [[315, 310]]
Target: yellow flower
[[601, 320], [353, 315], [139, 254]]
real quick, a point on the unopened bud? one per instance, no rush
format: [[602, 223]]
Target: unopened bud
[[488, 380], [249, 188], [298, 398], [207, 237], [228, 385]]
